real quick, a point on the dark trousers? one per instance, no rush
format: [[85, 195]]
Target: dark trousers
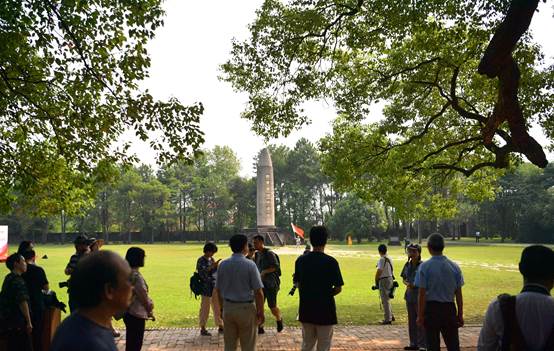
[[441, 318], [417, 334], [37, 320], [19, 340], [134, 333]]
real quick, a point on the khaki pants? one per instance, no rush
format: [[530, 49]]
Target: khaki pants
[[314, 333], [205, 304], [240, 323], [385, 285]]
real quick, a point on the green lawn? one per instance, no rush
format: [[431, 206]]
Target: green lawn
[[488, 271]]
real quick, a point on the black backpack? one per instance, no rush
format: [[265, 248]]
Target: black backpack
[[196, 285]]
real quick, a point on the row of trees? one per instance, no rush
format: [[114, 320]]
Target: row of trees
[[209, 195]]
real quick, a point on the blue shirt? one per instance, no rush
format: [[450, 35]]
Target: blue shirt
[[440, 278], [237, 278], [79, 333]]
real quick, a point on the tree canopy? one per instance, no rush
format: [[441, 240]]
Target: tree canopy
[[69, 87], [428, 62]]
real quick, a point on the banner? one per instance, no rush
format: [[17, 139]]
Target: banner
[[3, 243], [299, 231]]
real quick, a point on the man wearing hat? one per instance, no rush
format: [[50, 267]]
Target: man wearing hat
[[525, 321], [417, 334], [82, 247]]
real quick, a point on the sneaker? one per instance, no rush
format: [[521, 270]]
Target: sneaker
[[280, 326], [261, 330], [220, 330], [204, 332], [385, 322]]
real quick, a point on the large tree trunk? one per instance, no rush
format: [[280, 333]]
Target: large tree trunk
[[497, 61]]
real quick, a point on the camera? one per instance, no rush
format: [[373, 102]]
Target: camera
[[393, 289], [63, 284], [292, 291]]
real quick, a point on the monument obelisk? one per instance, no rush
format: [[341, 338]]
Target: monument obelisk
[[265, 199]]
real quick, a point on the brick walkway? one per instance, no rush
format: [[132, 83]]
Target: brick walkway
[[345, 338]]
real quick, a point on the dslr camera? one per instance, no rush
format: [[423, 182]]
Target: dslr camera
[[392, 290]]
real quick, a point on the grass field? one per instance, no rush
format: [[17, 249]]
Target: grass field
[[488, 271]]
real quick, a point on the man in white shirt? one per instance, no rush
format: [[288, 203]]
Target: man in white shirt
[[384, 278], [530, 314]]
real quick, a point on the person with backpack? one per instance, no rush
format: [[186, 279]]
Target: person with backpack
[[269, 267], [525, 321], [206, 267], [384, 279]]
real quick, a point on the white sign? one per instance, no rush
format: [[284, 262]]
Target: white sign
[[3, 242]]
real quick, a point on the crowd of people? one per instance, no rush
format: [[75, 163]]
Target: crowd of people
[[102, 285]]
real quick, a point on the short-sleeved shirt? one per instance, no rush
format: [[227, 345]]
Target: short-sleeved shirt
[[440, 277], [409, 274], [80, 333], [35, 279], [208, 279], [385, 264], [267, 259], [238, 278], [14, 291], [316, 274], [74, 259], [535, 317]]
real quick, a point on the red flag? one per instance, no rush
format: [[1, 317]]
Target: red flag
[[299, 231]]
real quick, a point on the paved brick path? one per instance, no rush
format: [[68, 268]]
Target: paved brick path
[[345, 338]]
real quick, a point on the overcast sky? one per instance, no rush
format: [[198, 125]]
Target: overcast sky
[[196, 39]]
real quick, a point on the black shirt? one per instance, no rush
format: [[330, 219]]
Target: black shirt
[[79, 333], [35, 279], [13, 293], [264, 260], [317, 274]]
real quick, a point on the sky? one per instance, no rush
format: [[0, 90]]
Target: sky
[[196, 39]]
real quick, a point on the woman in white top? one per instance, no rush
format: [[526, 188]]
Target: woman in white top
[[141, 305]]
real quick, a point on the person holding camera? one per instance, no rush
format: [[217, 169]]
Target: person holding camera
[[440, 282], [206, 267], [82, 248], [416, 333], [384, 279], [317, 310]]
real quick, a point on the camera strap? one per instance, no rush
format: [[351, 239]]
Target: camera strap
[[391, 267]]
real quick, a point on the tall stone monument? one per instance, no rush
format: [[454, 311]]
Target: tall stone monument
[[265, 204], [265, 197]]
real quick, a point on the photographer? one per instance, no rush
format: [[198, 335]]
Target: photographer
[[82, 247], [384, 279]]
